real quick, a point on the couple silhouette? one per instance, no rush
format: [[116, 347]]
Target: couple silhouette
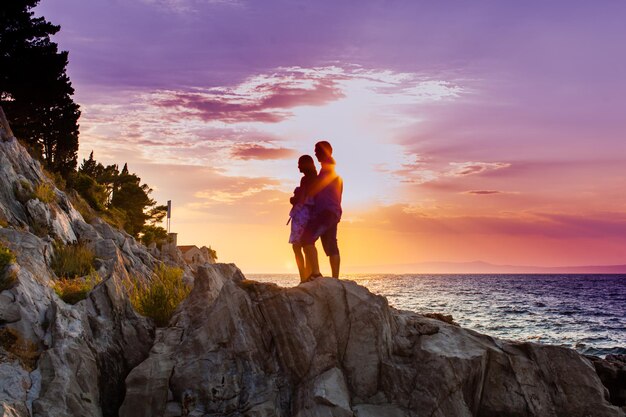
[[316, 212]]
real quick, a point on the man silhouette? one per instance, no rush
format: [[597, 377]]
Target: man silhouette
[[326, 192]]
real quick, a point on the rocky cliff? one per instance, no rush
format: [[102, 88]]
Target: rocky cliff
[[241, 348]]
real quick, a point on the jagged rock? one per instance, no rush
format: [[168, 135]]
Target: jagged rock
[[9, 311], [94, 346], [85, 232], [39, 214], [81, 354], [16, 166], [152, 376], [330, 389], [369, 410], [612, 373], [14, 388], [237, 347]]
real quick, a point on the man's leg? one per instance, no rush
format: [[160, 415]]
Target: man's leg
[[335, 260], [329, 242]]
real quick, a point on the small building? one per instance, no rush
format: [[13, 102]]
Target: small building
[[195, 256]]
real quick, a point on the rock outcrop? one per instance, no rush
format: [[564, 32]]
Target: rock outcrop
[[58, 359], [331, 348], [240, 348]]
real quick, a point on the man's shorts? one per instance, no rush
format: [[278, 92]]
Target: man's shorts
[[323, 226]]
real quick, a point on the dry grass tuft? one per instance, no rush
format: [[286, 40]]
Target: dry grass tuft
[[24, 350], [71, 261], [44, 193], [82, 206], [7, 277], [72, 290], [159, 298]]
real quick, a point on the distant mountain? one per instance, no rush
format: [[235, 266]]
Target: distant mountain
[[479, 267]]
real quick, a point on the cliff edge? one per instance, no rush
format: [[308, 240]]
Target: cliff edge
[[332, 348]]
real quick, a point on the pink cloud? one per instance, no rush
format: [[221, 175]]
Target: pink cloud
[[256, 151], [425, 171], [208, 107], [471, 168], [208, 193], [254, 101], [483, 192], [289, 95], [175, 144], [405, 219]]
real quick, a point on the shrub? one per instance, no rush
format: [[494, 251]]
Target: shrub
[[7, 278], [212, 253], [115, 217], [6, 256], [82, 206], [56, 177], [39, 229], [72, 290], [94, 193], [71, 261], [26, 351], [152, 234], [44, 192], [159, 298]]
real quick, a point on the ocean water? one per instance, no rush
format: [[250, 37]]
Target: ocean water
[[584, 312]]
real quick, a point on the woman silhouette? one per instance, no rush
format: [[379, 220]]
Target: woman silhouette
[[300, 213]]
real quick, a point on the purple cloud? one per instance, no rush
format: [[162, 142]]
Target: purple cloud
[[558, 226], [483, 192], [471, 168], [256, 151], [256, 100]]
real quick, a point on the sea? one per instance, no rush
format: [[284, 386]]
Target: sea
[[584, 312]]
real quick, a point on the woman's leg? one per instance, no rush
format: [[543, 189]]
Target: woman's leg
[[297, 250], [311, 261]]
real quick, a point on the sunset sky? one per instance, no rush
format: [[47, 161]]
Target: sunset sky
[[464, 131]]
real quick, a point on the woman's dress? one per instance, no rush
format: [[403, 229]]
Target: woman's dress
[[301, 211]]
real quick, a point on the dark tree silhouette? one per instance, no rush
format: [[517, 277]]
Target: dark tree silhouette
[[122, 195], [35, 90]]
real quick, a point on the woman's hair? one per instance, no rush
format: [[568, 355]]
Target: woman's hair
[[307, 164]]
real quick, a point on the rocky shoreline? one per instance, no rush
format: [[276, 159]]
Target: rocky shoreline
[[240, 348]]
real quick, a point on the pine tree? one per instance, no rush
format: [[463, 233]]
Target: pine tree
[[35, 90], [133, 198]]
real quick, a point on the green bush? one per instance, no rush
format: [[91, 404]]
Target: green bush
[[159, 298], [57, 178], [150, 234], [115, 217], [72, 290], [82, 206], [44, 192], [71, 261], [94, 193], [6, 256], [7, 279]]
